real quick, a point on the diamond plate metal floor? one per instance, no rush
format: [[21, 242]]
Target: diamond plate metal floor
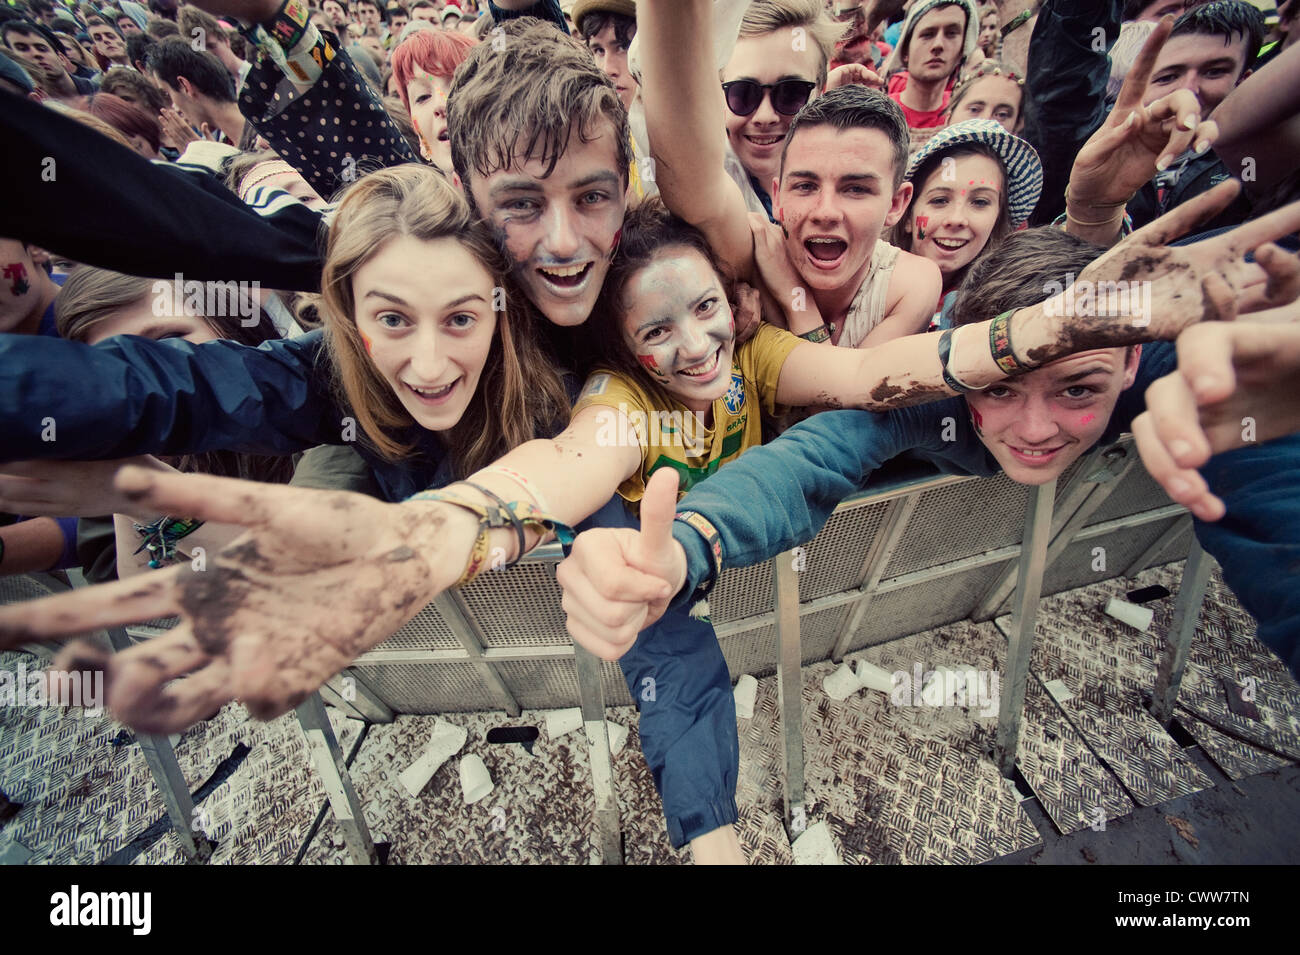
[[893, 783]]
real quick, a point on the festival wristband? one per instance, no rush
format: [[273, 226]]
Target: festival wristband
[[702, 526], [818, 335], [522, 481], [949, 379], [499, 514], [1000, 344], [1018, 20]]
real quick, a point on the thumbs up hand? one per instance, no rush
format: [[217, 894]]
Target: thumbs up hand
[[618, 581]]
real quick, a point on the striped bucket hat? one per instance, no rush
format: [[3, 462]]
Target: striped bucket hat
[[1024, 171]]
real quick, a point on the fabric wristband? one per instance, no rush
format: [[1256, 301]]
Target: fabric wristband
[[820, 334], [1018, 20], [514, 514], [1000, 344], [949, 379], [702, 526]]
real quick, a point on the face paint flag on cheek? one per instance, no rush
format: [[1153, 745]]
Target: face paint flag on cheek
[[1087, 419], [921, 223], [652, 366], [369, 348], [16, 272], [977, 420], [618, 237]]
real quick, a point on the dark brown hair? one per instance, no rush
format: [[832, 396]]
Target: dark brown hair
[[648, 230]]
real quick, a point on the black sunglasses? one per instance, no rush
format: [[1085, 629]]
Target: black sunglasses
[[746, 96]]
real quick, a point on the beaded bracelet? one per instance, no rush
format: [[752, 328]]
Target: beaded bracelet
[[512, 514], [161, 536]]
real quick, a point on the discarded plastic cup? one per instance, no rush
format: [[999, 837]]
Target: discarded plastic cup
[[746, 694], [475, 781], [841, 684], [445, 743]]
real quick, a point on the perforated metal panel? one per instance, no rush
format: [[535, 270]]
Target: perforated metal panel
[[1074, 568], [923, 606], [428, 630], [1138, 492], [428, 688], [961, 520], [742, 592], [519, 607], [833, 561], [541, 684]]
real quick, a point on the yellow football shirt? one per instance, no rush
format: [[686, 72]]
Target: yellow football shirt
[[676, 437]]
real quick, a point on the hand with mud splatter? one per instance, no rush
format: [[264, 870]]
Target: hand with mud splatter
[[1176, 286], [318, 578], [1134, 143], [783, 283], [1234, 385]]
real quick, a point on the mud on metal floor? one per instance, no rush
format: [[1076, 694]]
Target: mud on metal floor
[[893, 783]]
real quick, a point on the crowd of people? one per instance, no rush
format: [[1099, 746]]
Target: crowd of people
[[372, 299]]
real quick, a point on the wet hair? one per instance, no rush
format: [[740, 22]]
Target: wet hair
[[648, 230], [855, 107], [520, 395], [902, 238], [597, 20], [160, 28], [530, 98], [174, 57], [126, 118], [1229, 19]]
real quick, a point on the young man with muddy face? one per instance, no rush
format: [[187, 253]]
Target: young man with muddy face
[[553, 189], [836, 182]]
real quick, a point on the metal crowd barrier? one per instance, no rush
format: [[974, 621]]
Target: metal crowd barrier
[[917, 551]]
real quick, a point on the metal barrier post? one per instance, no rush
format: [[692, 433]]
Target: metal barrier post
[[591, 692], [789, 689], [160, 757], [333, 770], [1187, 609], [1024, 613]]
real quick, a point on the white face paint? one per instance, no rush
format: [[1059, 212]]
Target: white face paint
[[679, 325]]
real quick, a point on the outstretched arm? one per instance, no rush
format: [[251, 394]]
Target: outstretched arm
[[130, 395], [1186, 284], [684, 120]]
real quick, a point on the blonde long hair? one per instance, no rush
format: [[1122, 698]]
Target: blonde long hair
[[528, 396]]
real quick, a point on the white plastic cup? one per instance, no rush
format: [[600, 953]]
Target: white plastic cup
[[871, 677], [746, 694], [841, 684], [475, 781], [559, 722], [816, 847], [445, 743], [1139, 618], [617, 737]]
